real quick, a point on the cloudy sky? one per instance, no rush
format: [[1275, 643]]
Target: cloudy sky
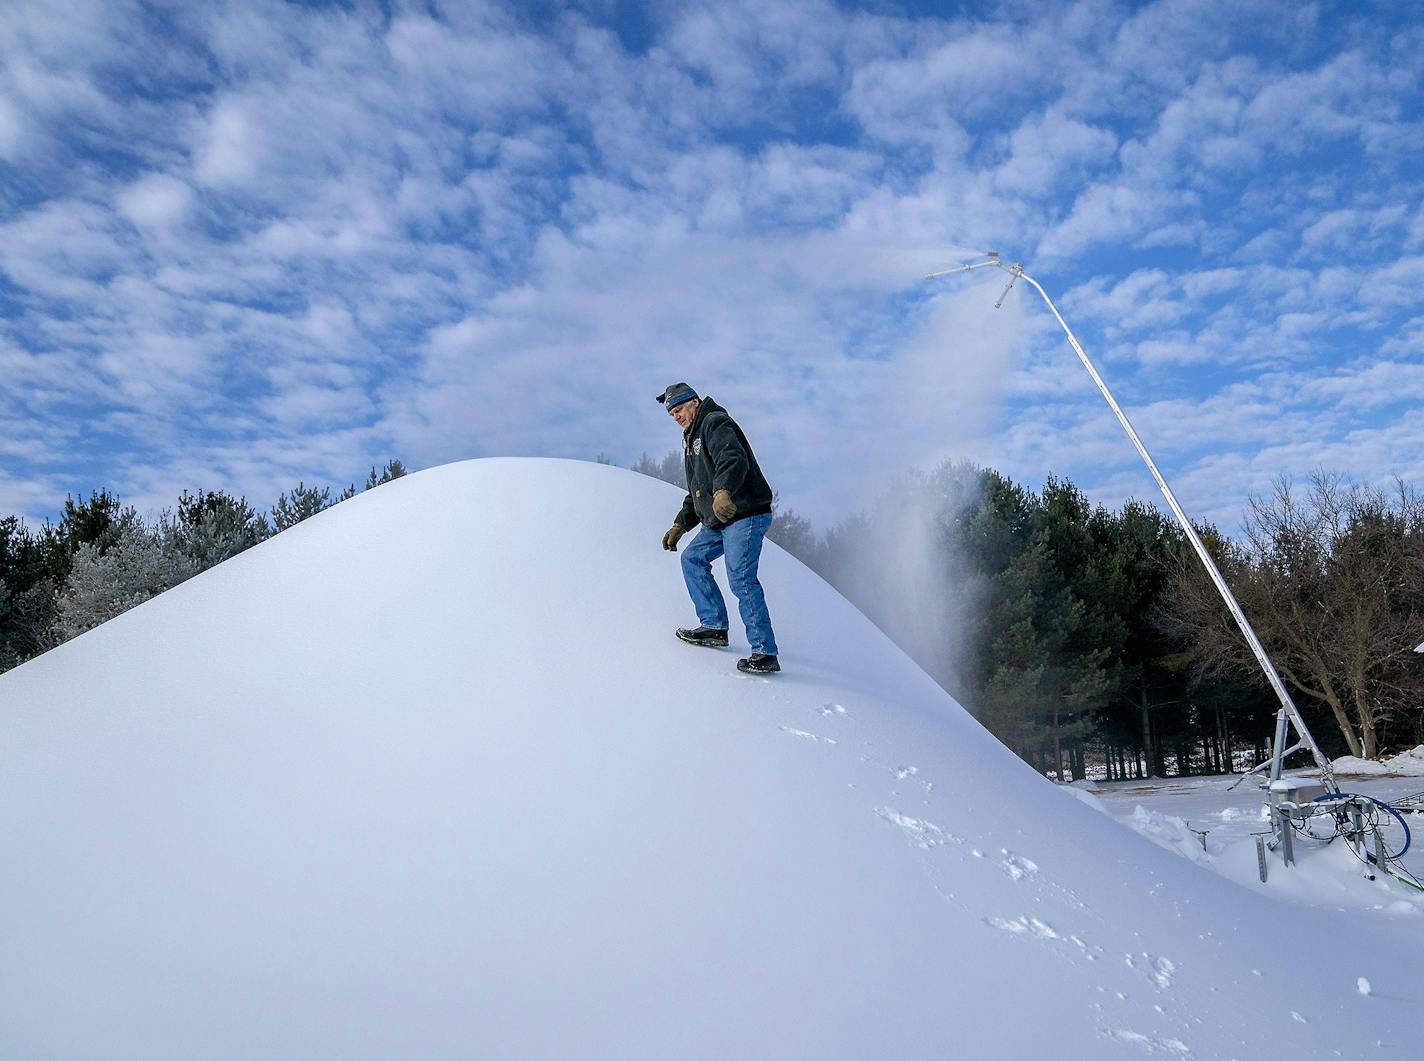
[[249, 243]]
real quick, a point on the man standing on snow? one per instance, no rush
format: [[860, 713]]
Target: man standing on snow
[[729, 496]]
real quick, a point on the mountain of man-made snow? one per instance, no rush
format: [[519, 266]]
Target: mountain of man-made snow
[[428, 776]]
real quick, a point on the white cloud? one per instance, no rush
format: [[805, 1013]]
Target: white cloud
[[1291, 112], [63, 249], [157, 201], [1050, 148], [751, 53], [476, 73], [954, 74], [12, 130], [230, 152], [1111, 213], [1367, 384], [1408, 341], [31, 498]]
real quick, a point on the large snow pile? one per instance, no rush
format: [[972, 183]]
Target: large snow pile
[[428, 776]]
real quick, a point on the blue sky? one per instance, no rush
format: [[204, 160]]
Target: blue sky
[[245, 244]]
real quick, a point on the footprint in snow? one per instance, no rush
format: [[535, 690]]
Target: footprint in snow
[[1024, 926], [808, 736], [912, 774], [1158, 970], [1151, 1043], [923, 833], [901, 773], [1016, 866]]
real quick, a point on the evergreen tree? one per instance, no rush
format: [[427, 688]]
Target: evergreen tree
[[394, 469], [7, 653], [1041, 664], [107, 581], [303, 503], [1078, 538], [28, 623], [213, 526], [669, 469], [1007, 681], [991, 538], [1140, 545], [1021, 695], [84, 522], [23, 559], [33, 566], [795, 534]]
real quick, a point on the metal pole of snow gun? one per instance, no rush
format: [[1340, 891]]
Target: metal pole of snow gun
[[1288, 709]]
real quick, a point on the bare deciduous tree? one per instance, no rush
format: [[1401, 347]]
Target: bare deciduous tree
[[1333, 582]]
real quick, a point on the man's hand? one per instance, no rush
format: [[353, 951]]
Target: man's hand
[[722, 506], [671, 537]]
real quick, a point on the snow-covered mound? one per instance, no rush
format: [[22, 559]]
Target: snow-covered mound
[[428, 776], [1406, 764]]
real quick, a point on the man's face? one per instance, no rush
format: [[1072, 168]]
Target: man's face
[[685, 412]]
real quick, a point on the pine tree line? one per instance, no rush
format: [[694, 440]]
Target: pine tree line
[[1089, 640], [102, 558]]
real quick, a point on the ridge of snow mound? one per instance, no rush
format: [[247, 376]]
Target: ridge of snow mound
[[1170, 833], [428, 776]]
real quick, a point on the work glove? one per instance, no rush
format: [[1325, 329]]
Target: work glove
[[722, 506], [671, 537]]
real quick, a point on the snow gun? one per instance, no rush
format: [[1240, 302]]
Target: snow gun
[[1376, 831]]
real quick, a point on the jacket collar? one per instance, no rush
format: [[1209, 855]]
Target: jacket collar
[[704, 405]]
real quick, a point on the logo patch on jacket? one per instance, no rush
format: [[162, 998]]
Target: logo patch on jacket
[[697, 446]]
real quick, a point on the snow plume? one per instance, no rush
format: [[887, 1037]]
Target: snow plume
[[899, 565], [929, 409], [940, 396], [922, 388]]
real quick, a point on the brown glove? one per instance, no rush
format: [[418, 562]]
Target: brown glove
[[671, 537], [722, 506]]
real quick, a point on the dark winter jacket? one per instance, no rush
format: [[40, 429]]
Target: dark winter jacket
[[716, 456]]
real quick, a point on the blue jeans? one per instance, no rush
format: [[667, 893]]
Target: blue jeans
[[741, 543]]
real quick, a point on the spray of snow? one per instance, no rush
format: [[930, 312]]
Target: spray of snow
[[936, 398]]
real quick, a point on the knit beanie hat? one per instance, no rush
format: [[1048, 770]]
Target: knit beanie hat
[[676, 395]]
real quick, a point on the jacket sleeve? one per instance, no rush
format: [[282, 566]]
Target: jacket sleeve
[[687, 517], [729, 456]]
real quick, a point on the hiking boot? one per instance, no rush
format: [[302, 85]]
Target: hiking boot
[[704, 635], [758, 663]]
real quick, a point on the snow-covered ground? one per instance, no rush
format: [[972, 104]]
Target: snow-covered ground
[[428, 776], [1205, 821]]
